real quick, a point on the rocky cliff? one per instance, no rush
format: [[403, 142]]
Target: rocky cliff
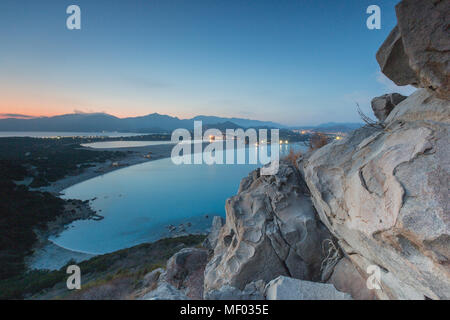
[[375, 200], [383, 192]]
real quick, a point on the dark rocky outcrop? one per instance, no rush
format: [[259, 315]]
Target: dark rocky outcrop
[[181, 280], [394, 62], [185, 271], [383, 105]]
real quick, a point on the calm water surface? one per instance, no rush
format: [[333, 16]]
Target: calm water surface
[[141, 201]]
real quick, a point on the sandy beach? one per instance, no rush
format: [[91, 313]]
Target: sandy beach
[[53, 257], [135, 155], [46, 254]]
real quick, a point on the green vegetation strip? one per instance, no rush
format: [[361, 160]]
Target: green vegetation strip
[[134, 262]]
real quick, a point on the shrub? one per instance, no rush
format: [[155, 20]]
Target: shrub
[[317, 141], [293, 156]]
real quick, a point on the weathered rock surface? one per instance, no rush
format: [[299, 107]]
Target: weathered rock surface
[[185, 271], [165, 291], [151, 279], [384, 195], [383, 105], [417, 51], [424, 26], [285, 288], [271, 229], [252, 291], [394, 62], [182, 279], [382, 192], [346, 278], [213, 236]]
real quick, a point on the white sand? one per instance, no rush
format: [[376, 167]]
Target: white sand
[[53, 257]]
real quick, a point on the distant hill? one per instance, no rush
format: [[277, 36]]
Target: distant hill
[[244, 123], [343, 127], [333, 126], [152, 123], [69, 122], [93, 122]]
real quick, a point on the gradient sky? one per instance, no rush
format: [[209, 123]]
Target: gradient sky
[[296, 62]]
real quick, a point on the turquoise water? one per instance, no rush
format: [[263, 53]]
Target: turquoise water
[[140, 202]]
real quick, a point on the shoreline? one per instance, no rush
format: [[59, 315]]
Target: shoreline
[[135, 155], [47, 254], [51, 256], [74, 210], [80, 210]]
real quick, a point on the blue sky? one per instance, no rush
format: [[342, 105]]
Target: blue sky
[[297, 62]]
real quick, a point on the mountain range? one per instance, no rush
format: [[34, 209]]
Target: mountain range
[[97, 122], [90, 122]]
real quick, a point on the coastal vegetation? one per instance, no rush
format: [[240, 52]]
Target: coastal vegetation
[[293, 156], [128, 265], [22, 210], [317, 141], [45, 160], [26, 164]]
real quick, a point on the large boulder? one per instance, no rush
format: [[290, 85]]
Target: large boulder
[[285, 288], [182, 279], [271, 229], [383, 105], [384, 195], [394, 62], [417, 51], [185, 271]]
